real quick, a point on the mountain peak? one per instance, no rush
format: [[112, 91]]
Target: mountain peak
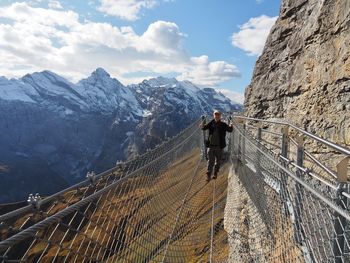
[[47, 77], [161, 78], [161, 81], [102, 79], [50, 73], [100, 73], [41, 74]]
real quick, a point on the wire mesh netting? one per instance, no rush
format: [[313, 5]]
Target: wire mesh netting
[[297, 215], [273, 202], [155, 208]]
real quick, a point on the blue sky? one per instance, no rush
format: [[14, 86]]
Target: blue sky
[[209, 42]]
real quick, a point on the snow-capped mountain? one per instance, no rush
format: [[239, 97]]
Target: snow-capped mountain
[[54, 91], [185, 95], [52, 128], [106, 94], [175, 104]]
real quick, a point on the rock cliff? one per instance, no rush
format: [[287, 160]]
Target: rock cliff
[[303, 74]]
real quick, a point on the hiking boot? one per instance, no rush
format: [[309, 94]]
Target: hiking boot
[[208, 177], [215, 175]]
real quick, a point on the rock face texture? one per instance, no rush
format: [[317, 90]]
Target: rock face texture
[[303, 77], [303, 74]]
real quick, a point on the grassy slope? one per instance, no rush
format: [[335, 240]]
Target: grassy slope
[[135, 220]]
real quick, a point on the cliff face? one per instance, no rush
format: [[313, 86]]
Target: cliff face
[[303, 74]]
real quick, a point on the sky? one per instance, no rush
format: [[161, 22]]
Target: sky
[[212, 43]]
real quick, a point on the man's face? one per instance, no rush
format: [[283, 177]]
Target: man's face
[[217, 116]]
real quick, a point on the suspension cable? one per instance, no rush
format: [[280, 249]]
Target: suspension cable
[[212, 225]]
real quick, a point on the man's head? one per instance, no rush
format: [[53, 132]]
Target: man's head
[[217, 115]]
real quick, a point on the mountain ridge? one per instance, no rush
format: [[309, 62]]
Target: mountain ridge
[[99, 75], [65, 129]]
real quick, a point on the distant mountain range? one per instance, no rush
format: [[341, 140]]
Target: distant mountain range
[[54, 131]]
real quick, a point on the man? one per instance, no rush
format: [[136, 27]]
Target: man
[[217, 134]]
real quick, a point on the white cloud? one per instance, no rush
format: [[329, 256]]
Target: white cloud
[[234, 96], [125, 9], [252, 35], [23, 14], [37, 39], [55, 4], [165, 35], [206, 73], [128, 9]]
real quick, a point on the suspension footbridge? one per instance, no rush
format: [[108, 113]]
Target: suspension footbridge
[[282, 195]]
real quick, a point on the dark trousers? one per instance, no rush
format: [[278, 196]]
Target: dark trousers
[[214, 159]]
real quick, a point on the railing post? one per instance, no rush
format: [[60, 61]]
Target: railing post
[[259, 134], [258, 154], [300, 154], [298, 197], [233, 149], [91, 176], [284, 153], [229, 146], [339, 221], [35, 201], [243, 142], [239, 146], [239, 141], [285, 141]]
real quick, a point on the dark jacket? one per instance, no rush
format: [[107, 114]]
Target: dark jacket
[[222, 129]]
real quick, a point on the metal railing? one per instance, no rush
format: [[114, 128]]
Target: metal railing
[[306, 198], [146, 209], [289, 203]]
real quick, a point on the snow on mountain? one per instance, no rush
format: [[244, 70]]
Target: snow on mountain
[[156, 93], [16, 90], [98, 93], [66, 129], [216, 100], [170, 106], [101, 93], [54, 89], [161, 82], [107, 94]]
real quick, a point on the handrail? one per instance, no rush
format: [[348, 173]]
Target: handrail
[[300, 181], [117, 219], [86, 182], [332, 145], [59, 215]]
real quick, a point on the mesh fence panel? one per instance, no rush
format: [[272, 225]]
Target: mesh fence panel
[[155, 208], [159, 208], [300, 217]]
